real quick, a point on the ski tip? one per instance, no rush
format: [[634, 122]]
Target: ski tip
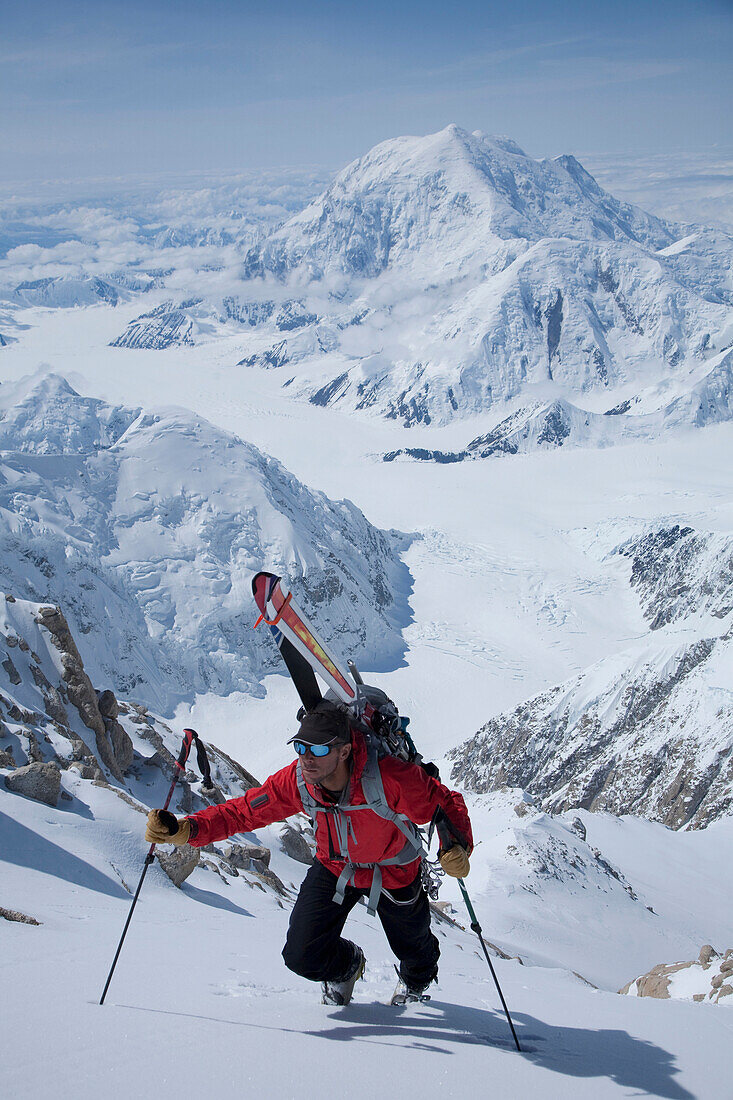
[[262, 586]]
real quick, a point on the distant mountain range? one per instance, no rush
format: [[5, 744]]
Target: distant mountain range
[[442, 277], [452, 274]]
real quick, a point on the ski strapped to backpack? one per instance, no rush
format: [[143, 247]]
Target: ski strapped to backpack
[[370, 710], [302, 650]]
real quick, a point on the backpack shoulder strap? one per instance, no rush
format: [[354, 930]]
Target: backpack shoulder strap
[[310, 805], [372, 785]]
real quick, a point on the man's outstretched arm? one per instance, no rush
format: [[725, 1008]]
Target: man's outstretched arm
[[275, 800]]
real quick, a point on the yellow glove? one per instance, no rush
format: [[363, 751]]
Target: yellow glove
[[454, 861], [164, 828]]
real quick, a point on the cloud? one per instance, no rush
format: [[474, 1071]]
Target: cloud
[[122, 230], [682, 186]]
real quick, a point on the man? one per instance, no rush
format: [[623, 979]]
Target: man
[[336, 779]]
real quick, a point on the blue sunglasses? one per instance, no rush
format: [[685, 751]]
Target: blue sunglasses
[[316, 750]]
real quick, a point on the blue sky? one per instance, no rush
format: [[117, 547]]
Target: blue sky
[[102, 89]]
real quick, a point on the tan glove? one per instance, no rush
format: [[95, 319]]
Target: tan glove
[[164, 828], [454, 861]]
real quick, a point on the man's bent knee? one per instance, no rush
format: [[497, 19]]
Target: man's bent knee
[[296, 960]]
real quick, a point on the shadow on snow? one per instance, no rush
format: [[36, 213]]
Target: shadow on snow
[[568, 1051], [26, 848]]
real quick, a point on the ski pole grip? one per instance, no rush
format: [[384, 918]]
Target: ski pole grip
[[203, 763], [188, 738]]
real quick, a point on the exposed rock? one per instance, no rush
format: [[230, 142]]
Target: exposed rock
[[245, 778], [211, 866], [213, 795], [6, 758], [295, 845], [15, 915], [87, 771], [678, 571], [108, 705], [656, 982], [13, 674], [578, 828], [34, 752], [707, 952], [269, 877], [171, 328], [52, 699], [241, 855], [39, 781], [162, 759], [78, 685], [179, 863], [708, 977], [122, 746], [573, 753], [254, 859]]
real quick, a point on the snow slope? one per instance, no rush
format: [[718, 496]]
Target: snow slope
[[200, 992]]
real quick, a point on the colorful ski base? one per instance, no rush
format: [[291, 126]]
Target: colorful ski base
[[302, 650]]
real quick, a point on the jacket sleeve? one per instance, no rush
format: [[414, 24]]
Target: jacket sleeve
[[414, 793], [275, 800]]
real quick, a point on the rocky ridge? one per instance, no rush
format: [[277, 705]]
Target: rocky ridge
[[58, 735], [551, 424], [648, 731]]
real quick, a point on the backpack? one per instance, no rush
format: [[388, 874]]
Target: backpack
[[385, 734]]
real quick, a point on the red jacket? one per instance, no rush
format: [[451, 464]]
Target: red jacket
[[409, 790]]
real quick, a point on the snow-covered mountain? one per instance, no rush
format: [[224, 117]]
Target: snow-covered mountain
[[165, 326], [155, 521], [546, 425], [413, 196], [65, 291], [648, 731], [462, 273], [187, 322]]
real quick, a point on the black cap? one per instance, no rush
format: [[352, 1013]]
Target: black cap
[[322, 724]]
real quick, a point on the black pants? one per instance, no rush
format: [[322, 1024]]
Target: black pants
[[315, 949]]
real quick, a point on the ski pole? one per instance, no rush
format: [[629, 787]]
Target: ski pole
[[476, 927], [189, 736]]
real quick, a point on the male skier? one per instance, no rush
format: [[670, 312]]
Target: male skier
[[360, 850]]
